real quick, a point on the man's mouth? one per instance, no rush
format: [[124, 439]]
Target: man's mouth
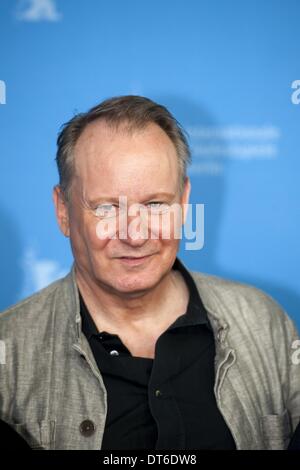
[[134, 260], [134, 257]]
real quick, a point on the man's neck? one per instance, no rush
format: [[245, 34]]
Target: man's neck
[[152, 309]]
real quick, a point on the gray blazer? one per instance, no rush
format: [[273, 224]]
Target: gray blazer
[[52, 393]]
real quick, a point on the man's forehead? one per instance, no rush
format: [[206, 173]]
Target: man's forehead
[[116, 198], [122, 158], [99, 137], [109, 169], [100, 129]]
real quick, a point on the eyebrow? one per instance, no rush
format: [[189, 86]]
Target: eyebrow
[[148, 198]]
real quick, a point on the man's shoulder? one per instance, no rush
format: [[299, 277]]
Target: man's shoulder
[[238, 302], [31, 308], [230, 289]]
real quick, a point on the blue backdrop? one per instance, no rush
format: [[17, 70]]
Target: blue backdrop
[[224, 68]]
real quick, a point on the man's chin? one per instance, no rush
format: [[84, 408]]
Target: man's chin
[[133, 285], [135, 290]]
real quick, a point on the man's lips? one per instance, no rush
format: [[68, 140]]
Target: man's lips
[[134, 260], [134, 257]]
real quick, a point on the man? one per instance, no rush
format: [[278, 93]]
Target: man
[[131, 350]]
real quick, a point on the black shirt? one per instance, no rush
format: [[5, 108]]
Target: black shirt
[[295, 441], [167, 402], [11, 440]]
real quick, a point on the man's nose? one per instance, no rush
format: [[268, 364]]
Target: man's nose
[[136, 232]]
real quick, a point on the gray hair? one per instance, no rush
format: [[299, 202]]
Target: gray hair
[[134, 112]]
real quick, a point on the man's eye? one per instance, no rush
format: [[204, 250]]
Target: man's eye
[[157, 206], [105, 210]]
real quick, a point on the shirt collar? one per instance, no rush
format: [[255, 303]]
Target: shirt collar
[[195, 313]]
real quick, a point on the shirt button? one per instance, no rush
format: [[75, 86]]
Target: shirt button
[[114, 353], [87, 428], [158, 393]]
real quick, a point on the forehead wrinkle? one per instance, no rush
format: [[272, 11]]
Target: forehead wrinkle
[[144, 198]]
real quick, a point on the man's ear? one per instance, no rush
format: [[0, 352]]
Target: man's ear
[[185, 198], [61, 210]]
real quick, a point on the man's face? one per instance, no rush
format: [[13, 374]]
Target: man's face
[[143, 167]]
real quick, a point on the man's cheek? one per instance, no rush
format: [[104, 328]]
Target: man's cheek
[[105, 230], [167, 226]]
